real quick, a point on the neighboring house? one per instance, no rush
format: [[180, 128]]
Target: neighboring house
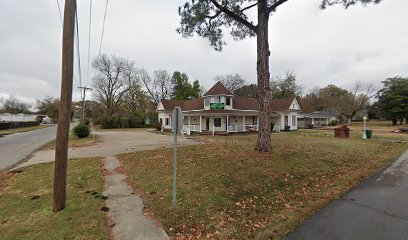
[[315, 119], [20, 117], [285, 113], [220, 111]]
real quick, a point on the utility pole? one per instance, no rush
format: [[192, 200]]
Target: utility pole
[[64, 116], [83, 102]]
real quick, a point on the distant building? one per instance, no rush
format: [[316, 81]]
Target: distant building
[[315, 119], [21, 117]]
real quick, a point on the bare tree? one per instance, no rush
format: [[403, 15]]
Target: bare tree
[[231, 81], [356, 100], [159, 87], [111, 81], [13, 105]]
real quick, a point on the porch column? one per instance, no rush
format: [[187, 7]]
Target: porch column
[[243, 124], [189, 120], [257, 123], [213, 126], [200, 122], [227, 123]]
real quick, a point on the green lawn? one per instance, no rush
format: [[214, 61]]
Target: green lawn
[[75, 142], [226, 190], [22, 129], [26, 203]]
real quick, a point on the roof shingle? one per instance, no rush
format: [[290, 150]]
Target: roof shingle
[[218, 89], [283, 104]]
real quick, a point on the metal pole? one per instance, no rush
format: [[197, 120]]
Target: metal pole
[[175, 160], [364, 129]]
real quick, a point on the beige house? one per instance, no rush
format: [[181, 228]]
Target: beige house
[[219, 111]]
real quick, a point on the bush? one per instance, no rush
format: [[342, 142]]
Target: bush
[[121, 122], [111, 122], [81, 130], [333, 122]]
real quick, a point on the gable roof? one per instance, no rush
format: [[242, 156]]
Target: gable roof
[[245, 103], [283, 104], [170, 104], [186, 105], [218, 89]]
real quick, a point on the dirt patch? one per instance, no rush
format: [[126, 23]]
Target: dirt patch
[[3, 177]]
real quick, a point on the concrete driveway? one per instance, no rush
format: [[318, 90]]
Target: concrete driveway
[[111, 143]]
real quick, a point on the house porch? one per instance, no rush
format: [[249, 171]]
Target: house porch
[[221, 123]]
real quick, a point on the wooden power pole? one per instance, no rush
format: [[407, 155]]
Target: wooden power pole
[[64, 116], [83, 102]]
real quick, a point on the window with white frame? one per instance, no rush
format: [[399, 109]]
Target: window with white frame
[[207, 101], [286, 120], [294, 121], [228, 101], [167, 121]]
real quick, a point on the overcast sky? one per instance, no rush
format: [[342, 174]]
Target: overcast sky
[[334, 46]]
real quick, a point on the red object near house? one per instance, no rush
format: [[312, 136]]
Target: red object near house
[[342, 132]]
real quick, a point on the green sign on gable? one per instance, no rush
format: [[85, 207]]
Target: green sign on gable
[[216, 106]]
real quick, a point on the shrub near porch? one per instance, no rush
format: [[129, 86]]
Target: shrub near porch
[[226, 190]]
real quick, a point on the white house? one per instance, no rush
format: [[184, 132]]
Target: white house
[[315, 119], [20, 117], [220, 111]]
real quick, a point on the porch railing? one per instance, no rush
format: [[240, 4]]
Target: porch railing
[[192, 128], [250, 128], [232, 128]]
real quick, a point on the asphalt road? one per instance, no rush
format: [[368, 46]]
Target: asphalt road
[[376, 209], [16, 147]]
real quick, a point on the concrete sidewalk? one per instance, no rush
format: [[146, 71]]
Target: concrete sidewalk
[[376, 209], [125, 209]]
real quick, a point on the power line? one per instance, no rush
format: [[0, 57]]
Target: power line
[[62, 23], [78, 50], [103, 27], [89, 40], [59, 11]]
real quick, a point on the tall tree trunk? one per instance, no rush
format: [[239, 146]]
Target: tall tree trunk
[[264, 94]]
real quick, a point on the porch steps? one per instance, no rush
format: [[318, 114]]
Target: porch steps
[[224, 133]]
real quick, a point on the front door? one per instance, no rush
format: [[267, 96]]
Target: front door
[[207, 124]]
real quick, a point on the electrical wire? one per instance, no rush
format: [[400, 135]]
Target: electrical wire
[[78, 50], [103, 27], [59, 11], [89, 40]]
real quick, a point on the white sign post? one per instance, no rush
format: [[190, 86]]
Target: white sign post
[[177, 126]]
